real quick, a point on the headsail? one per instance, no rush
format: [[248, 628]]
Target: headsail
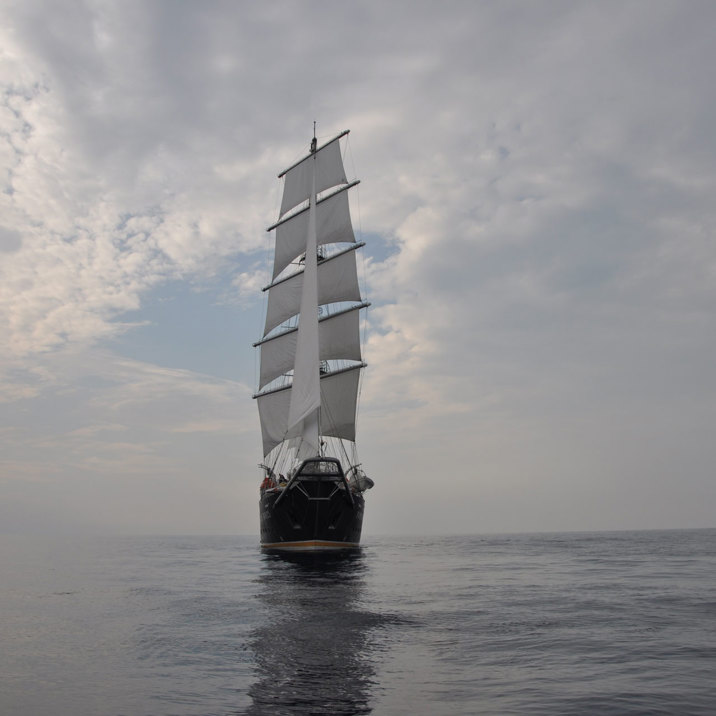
[[305, 390], [321, 357]]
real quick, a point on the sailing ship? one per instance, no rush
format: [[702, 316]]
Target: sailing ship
[[311, 364]]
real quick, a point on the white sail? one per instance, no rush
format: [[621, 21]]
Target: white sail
[[305, 393], [273, 413], [337, 281], [299, 178], [338, 338], [333, 225], [316, 403], [339, 396], [309, 444]]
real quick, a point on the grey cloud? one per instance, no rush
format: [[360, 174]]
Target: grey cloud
[[543, 173], [9, 240]]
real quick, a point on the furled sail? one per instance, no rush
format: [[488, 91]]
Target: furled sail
[[321, 398]]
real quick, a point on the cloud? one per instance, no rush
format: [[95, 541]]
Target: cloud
[[103, 437], [537, 194], [557, 218], [100, 207]]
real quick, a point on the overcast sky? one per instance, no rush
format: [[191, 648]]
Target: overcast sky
[[538, 201]]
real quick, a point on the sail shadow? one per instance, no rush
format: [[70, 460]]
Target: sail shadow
[[312, 652]]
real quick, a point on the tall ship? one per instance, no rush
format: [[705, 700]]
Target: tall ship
[[312, 492]]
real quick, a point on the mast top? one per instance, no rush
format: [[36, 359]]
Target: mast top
[[314, 141], [318, 149]]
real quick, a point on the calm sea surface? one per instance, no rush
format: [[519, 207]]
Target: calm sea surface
[[588, 623]]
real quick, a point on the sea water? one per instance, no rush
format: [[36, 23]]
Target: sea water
[[578, 623]]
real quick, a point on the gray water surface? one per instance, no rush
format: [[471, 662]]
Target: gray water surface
[[587, 623]]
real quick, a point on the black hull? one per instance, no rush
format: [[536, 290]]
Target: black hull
[[313, 513]]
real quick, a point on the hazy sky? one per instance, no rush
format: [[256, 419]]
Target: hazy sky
[[538, 201]]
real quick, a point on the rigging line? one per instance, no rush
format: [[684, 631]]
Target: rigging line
[[298, 157], [364, 327], [360, 240], [363, 341], [267, 269], [363, 260], [341, 444], [282, 449], [257, 378], [337, 447], [346, 147], [276, 457], [277, 209], [325, 409], [358, 397], [285, 463], [277, 197], [349, 149]]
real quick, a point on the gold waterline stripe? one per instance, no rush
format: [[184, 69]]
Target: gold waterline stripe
[[309, 544]]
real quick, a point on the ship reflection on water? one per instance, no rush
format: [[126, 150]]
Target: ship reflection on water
[[312, 651]]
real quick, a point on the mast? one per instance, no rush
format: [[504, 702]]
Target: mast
[[309, 373]]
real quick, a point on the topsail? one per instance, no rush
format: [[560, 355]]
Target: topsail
[[325, 166]]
